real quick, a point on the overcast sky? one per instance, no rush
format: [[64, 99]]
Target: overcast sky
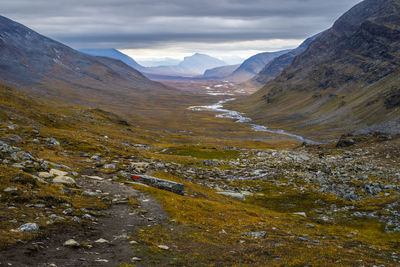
[[176, 28]]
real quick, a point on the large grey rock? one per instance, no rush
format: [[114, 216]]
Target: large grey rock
[[162, 184], [64, 180], [29, 228], [4, 147]]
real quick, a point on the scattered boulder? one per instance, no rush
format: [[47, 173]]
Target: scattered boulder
[[68, 211], [93, 177], [64, 180], [212, 162], [102, 241], [55, 217], [109, 166], [76, 219], [10, 189], [261, 234], [162, 184], [71, 243], [88, 217], [45, 175], [29, 228], [55, 172], [300, 214], [163, 247], [52, 141]]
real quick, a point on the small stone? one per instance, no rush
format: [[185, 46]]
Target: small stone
[[52, 141], [109, 166], [68, 211], [101, 260], [261, 234], [90, 193], [45, 175], [93, 177], [10, 189], [18, 166], [88, 217], [163, 247], [55, 217], [29, 228], [76, 219], [133, 242], [136, 259], [71, 243], [300, 214], [101, 241], [304, 239]]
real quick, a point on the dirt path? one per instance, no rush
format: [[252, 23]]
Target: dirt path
[[118, 222]]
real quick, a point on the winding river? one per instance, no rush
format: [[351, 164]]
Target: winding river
[[238, 117]]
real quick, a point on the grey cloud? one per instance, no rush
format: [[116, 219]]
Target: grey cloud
[[135, 23]]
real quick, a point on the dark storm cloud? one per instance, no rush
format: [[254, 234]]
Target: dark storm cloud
[[147, 23]]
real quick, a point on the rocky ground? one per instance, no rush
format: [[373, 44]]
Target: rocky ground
[[93, 216]]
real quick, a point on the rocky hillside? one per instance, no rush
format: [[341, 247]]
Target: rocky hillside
[[276, 66], [253, 65], [347, 79]]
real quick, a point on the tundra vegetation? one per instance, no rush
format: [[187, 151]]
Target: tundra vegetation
[[248, 201]]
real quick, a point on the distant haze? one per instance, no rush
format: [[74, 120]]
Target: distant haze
[[156, 29]]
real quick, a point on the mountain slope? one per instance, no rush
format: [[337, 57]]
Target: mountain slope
[[190, 66], [36, 63], [276, 66], [253, 65], [115, 54], [220, 72], [347, 79]]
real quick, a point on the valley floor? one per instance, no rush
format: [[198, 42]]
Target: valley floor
[[250, 199]]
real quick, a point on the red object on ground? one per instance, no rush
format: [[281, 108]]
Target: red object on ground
[[135, 177]]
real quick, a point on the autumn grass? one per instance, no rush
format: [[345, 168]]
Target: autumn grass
[[207, 228]]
